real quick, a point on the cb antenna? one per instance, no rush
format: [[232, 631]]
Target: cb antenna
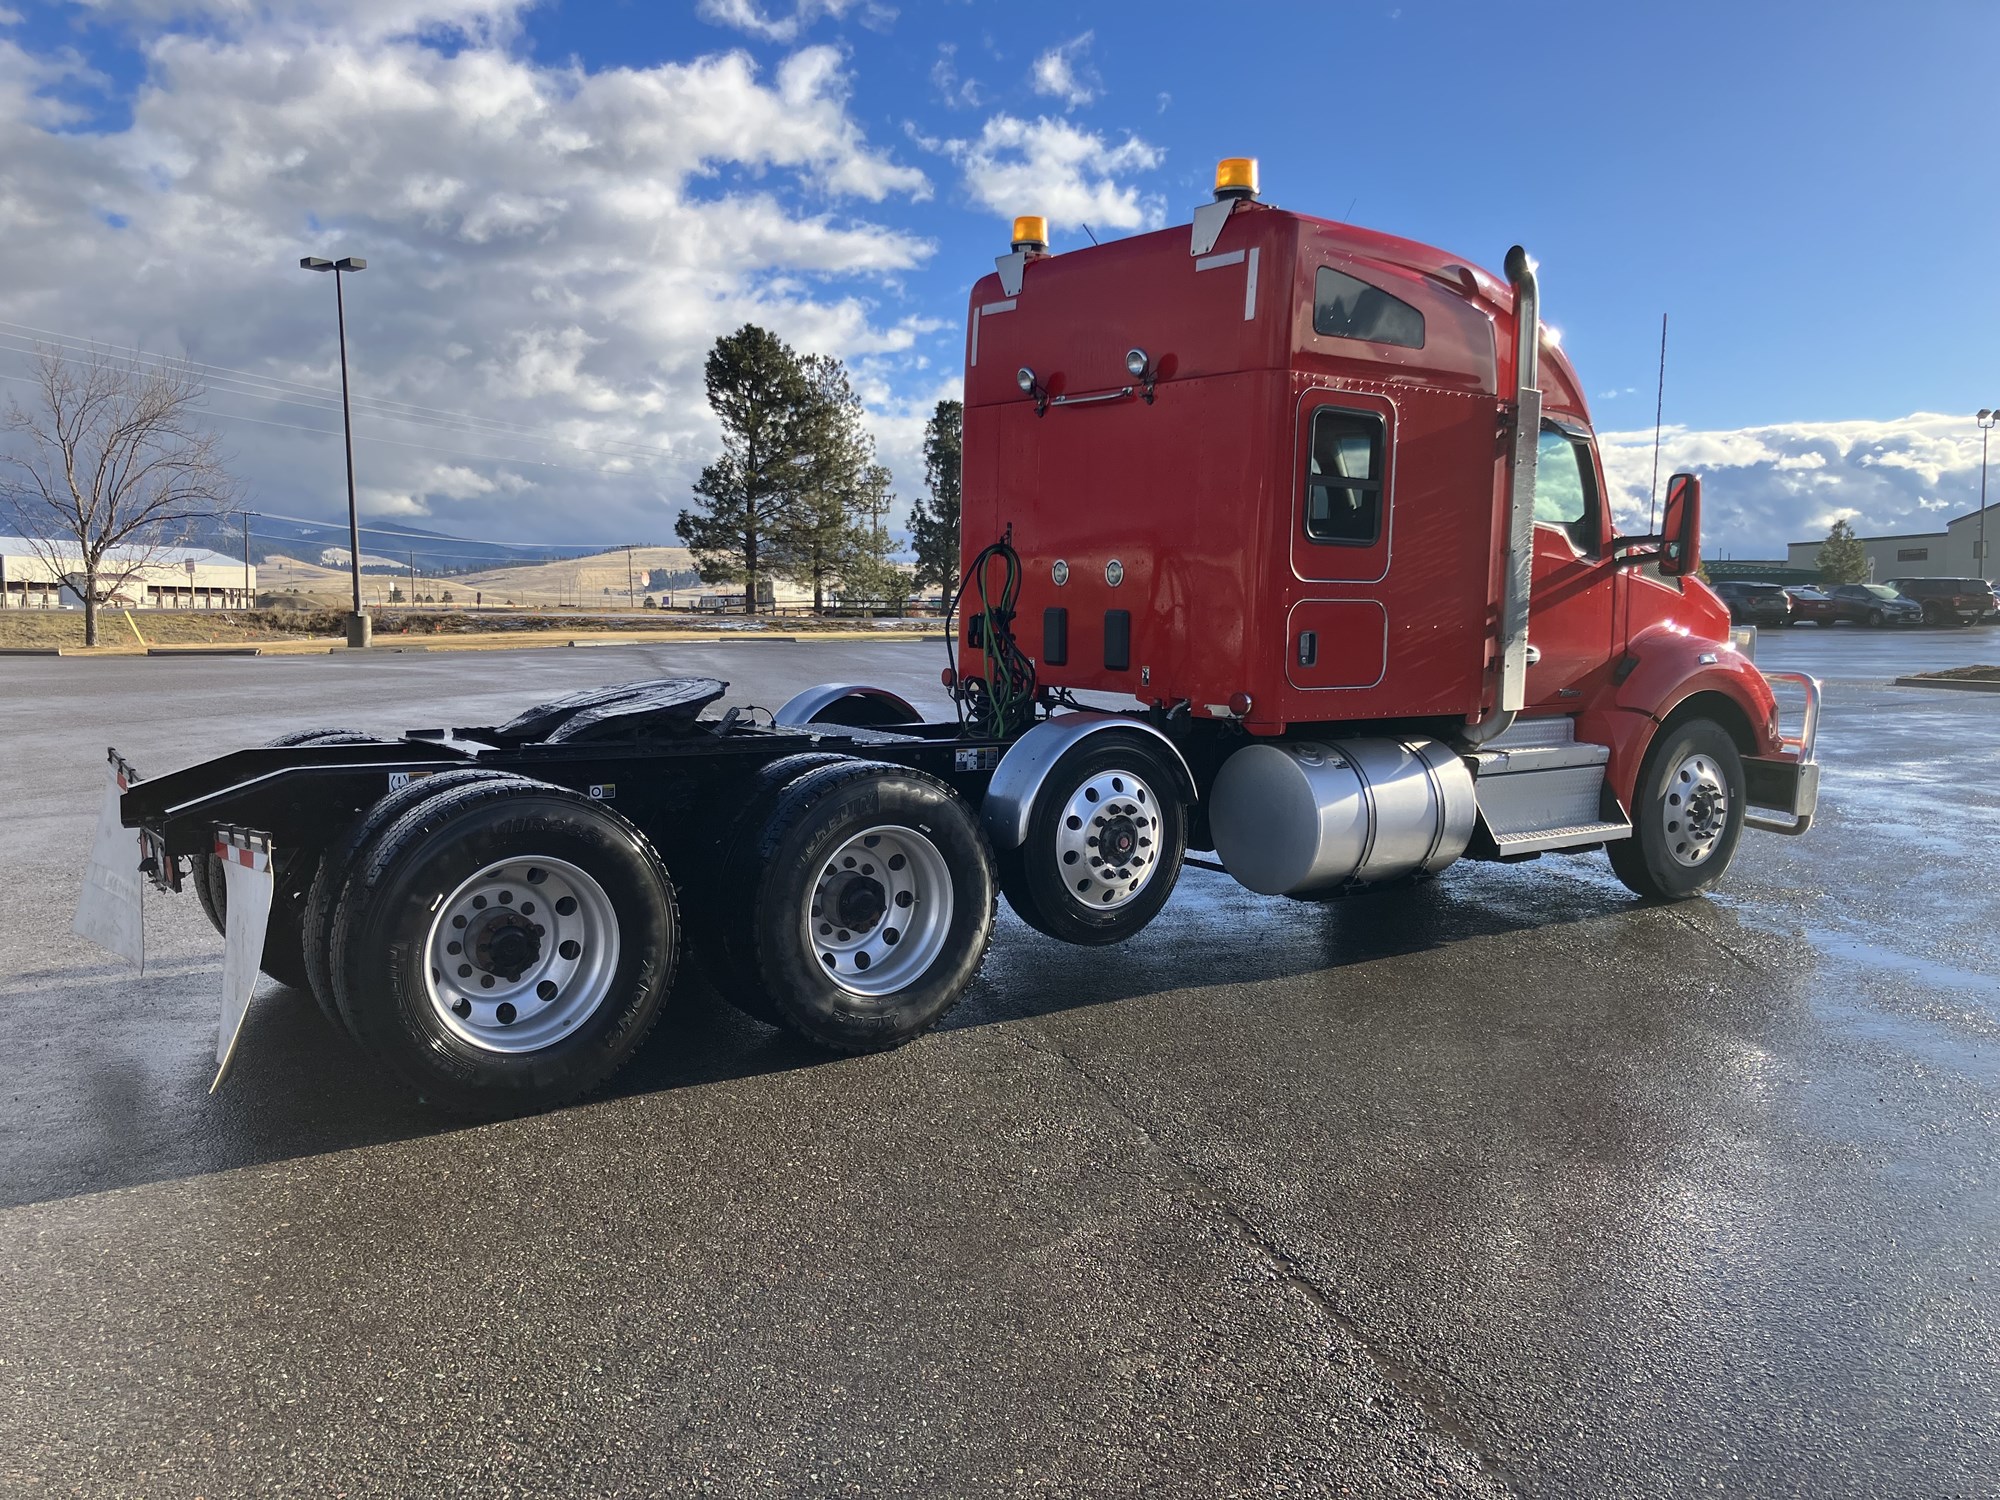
[[1086, 230], [1659, 406]]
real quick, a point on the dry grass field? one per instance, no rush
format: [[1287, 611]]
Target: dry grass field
[[595, 582]]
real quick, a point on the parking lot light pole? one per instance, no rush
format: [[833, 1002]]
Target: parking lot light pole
[[359, 627], [1986, 420]]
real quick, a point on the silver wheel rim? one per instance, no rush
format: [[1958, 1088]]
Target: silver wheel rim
[[880, 911], [521, 954], [1108, 840], [1695, 811]]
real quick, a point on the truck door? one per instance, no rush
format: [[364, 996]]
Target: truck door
[[1569, 611]]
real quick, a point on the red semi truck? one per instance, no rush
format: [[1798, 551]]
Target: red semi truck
[[1312, 515]]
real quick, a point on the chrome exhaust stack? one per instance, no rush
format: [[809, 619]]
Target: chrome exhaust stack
[[1518, 578]]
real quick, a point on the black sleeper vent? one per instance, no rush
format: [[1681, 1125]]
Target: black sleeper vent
[[1118, 640], [1055, 637]]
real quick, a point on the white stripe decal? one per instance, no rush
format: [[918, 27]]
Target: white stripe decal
[[1217, 262], [994, 307], [975, 338], [1250, 290]]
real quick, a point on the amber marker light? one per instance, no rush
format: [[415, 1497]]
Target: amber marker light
[[1236, 177], [1031, 232]]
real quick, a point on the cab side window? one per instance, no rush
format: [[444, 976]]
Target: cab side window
[[1344, 478], [1347, 308], [1566, 488]]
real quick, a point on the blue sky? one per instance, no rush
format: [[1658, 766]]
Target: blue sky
[[563, 203]]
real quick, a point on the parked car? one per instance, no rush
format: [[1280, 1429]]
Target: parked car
[[1756, 603], [1874, 604], [1811, 606], [1947, 601]]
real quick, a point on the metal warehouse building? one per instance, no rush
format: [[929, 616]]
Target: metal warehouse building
[[135, 578]]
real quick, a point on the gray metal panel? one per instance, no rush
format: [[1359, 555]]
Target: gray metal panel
[[1010, 796], [805, 708], [1534, 800]]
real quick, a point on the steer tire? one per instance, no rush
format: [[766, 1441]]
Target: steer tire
[[594, 943], [338, 864], [1040, 878], [1654, 861], [726, 945], [284, 956], [873, 905]]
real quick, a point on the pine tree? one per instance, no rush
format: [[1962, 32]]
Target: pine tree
[[1842, 558], [934, 518], [757, 389], [836, 453], [869, 572]]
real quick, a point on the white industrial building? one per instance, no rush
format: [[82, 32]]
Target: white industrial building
[[134, 578], [1955, 552]]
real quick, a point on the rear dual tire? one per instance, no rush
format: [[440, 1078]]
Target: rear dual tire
[[505, 945], [860, 908]]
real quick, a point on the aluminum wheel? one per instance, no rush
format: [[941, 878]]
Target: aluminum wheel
[[881, 910], [1695, 813], [522, 954], [1107, 843]]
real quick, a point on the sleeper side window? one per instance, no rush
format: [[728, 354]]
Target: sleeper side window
[[1344, 478], [1350, 309], [1566, 488]]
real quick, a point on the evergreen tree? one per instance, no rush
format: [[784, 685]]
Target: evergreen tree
[[758, 391], [836, 455], [1842, 558], [869, 573], [934, 518]]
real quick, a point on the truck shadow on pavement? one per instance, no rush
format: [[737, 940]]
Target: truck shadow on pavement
[[134, 1109]]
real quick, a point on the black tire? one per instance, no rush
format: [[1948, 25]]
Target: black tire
[[347, 853], [283, 958], [1693, 753], [1040, 878], [424, 865], [726, 946], [1875, 618], [820, 983]]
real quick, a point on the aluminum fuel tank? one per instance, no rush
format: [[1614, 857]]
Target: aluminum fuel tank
[[1303, 817]]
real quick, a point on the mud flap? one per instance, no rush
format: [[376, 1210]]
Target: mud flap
[[108, 912], [247, 879]]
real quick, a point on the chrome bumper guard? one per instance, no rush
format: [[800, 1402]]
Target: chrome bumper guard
[[1783, 789]]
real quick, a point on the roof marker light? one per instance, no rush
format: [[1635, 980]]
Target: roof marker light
[[1031, 232]]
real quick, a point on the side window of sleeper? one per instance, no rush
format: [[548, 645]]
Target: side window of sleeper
[[1344, 478]]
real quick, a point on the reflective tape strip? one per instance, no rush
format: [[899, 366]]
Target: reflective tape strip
[[1217, 262], [1250, 290]]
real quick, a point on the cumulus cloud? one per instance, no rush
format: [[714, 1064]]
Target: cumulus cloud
[[785, 26], [552, 250], [1052, 167], [1064, 73], [1765, 486]]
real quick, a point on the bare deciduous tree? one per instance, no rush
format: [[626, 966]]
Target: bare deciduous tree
[[109, 464]]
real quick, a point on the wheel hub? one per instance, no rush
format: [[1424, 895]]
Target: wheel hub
[[881, 910], [1695, 813], [506, 943], [1106, 846], [521, 954]]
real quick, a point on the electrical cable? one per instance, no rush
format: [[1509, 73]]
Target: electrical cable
[[1003, 697]]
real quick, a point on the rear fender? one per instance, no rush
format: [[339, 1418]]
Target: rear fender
[[1672, 673]]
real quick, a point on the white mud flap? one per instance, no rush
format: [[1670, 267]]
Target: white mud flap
[[107, 909], [248, 882]]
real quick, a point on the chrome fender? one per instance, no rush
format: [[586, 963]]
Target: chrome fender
[[1018, 779]]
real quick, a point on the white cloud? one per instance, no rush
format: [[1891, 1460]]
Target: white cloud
[[1765, 486], [1052, 167], [1064, 73], [785, 26], [956, 92], [551, 250]]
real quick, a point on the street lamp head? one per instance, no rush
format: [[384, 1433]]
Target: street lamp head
[[350, 263], [314, 263], [321, 263], [1985, 417]]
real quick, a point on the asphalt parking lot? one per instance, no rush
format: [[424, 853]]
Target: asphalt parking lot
[[1503, 1185]]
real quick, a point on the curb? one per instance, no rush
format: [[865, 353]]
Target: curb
[[204, 651], [1954, 684], [31, 651]]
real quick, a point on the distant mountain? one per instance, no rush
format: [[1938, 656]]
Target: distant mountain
[[384, 549]]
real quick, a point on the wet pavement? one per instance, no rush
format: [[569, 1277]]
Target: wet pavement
[[1505, 1184]]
